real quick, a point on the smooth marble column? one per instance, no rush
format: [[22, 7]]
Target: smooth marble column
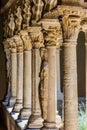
[[26, 111], [13, 76], [19, 100], [70, 87]]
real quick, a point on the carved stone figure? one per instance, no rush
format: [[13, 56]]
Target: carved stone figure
[[44, 83], [26, 39], [18, 18], [11, 24], [26, 13], [50, 4], [37, 9]]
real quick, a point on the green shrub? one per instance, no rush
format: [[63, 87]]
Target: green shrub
[[82, 116]]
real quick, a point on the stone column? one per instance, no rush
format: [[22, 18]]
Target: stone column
[[13, 78], [70, 29], [51, 30], [19, 100], [35, 120], [26, 111]]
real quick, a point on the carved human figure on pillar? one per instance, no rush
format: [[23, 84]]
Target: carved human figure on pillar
[[44, 82], [11, 24]]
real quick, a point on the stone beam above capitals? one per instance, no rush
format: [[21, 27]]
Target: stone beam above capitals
[[62, 10]]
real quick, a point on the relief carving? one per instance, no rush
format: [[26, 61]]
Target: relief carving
[[26, 13], [44, 82], [18, 17], [26, 39], [37, 9], [11, 24], [36, 37], [71, 27], [52, 32], [49, 4], [19, 43]]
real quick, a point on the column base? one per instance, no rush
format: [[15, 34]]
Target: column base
[[49, 126], [24, 114], [12, 101], [35, 122], [17, 107]]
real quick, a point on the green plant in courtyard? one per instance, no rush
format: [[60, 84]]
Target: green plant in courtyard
[[82, 116]]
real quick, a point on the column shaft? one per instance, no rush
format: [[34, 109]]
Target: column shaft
[[19, 100], [13, 77], [35, 120], [26, 111], [70, 88]]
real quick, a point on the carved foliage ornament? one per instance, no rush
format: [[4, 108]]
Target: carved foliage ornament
[[71, 27], [52, 32], [26, 39], [36, 36]]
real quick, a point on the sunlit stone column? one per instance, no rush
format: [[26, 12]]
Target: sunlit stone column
[[13, 76], [70, 29], [26, 111], [51, 31], [35, 120], [19, 100]]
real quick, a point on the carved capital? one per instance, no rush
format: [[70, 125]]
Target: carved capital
[[52, 32], [19, 43], [36, 37], [71, 27], [26, 39]]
